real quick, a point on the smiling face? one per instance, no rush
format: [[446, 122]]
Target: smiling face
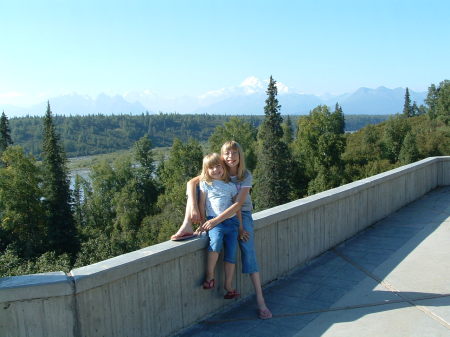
[[231, 158], [216, 172], [214, 168]]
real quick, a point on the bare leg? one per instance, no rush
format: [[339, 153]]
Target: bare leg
[[211, 265], [258, 290], [186, 226], [229, 273]]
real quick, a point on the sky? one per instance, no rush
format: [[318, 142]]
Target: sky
[[187, 48]]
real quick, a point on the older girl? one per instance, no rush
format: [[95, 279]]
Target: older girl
[[233, 157]]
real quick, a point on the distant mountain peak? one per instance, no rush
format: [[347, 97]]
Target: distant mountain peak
[[246, 98]]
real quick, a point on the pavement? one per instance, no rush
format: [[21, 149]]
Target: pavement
[[393, 279]]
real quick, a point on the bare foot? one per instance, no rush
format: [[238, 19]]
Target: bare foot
[[264, 313], [184, 232]]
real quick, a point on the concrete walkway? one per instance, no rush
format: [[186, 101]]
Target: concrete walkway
[[393, 279]]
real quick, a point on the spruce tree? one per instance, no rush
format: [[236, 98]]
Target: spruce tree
[[407, 108], [409, 152], [62, 236], [5, 133], [339, 119], [287, 131], [272, 174]]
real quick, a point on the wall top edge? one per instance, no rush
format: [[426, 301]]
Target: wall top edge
[[33, 280], [122, 265]]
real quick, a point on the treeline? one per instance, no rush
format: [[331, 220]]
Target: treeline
[[132, 202], [96, 134]]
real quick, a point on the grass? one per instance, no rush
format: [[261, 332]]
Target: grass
[[87, 162]]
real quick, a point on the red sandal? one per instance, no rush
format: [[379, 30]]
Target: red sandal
[[209, 284], [231, 294]]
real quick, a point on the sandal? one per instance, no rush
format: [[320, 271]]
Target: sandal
[[264, 314], [231, 294], [183, 236], [209, 284]]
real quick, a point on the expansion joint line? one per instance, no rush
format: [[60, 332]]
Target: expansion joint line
[[397, 292]]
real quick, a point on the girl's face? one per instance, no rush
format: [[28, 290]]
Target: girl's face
[[231, 158], [216, 172]]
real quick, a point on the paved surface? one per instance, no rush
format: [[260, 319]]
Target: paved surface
[[393, 279]]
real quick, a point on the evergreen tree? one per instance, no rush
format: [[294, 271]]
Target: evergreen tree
[[339, 119], [407, 108], [5, 133], [287, 131], [415, 110], [62, 236], [409, 152], [145, 182], [272, 174]]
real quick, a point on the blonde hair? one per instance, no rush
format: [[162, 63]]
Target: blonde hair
[[232, 145], [209, 161]]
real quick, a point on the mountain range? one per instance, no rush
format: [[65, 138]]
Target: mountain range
[[246, 99]]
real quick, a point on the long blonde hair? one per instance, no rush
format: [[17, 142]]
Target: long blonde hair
[[232, 145], [209, 161]]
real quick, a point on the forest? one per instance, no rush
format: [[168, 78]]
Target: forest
[[96, 134], [139, 199]]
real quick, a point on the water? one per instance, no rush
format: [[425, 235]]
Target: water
[[84, 173]]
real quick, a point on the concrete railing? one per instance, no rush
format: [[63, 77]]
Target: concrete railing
[[156, 291]]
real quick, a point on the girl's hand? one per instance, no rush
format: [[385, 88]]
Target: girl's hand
[[208, 225], [243, 235], [195, 215]]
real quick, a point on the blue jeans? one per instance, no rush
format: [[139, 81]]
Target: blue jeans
[[248, 254], [225, 234]]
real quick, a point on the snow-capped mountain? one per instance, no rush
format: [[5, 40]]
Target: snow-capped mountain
[[75, 104], [244, 99]]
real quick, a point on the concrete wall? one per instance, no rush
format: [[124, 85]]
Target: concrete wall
[[156, 291]]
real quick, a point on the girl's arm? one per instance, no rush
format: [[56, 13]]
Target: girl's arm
[[196, 216], [233, 209], [243, 235]]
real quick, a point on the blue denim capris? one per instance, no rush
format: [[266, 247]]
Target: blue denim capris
[[248, 254], [225, 234]]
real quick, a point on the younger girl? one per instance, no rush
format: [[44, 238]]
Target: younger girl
[[217, 194]]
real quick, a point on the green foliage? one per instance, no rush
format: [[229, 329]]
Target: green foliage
[[395, 131], [97, 134], [409, 152], [438, 101], [12, 265], [339, 119], [407, 107], [319, 146], [5, 133], [183, 163], [372, 149], [21, 208], [61, 233], [288, 132], [272, 175]]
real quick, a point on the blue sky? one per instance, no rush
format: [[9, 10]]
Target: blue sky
[[186, 48]]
